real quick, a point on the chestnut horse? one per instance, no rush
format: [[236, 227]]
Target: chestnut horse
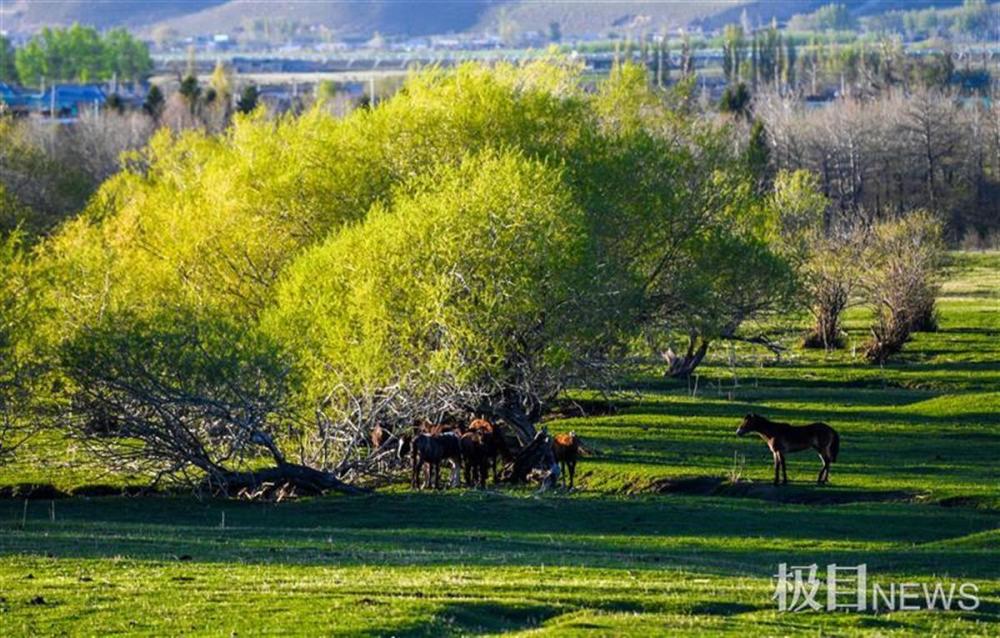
[[495, 444], [782, 438], [566, 448]]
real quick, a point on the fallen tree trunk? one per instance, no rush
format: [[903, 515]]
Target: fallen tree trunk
[[536, 455], [304, 479]]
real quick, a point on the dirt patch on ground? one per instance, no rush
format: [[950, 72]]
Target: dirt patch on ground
[[803, 494]]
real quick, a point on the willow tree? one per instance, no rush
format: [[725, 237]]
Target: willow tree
[[478, 278], [482, 239]]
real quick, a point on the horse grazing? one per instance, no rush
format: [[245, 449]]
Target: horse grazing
[[475, 458], [566, 448], [782, 438], [431, 450]]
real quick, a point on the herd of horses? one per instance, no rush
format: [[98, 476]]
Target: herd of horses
[[477, 448], [474, 450]]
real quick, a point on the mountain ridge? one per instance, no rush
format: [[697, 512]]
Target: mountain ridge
[[418, 17]]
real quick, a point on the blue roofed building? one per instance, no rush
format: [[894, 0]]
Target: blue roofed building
[[14, 99], [69, 100]]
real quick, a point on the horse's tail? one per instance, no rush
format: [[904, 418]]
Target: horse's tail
[[834, 446]]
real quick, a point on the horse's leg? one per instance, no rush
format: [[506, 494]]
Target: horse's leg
[[777, 468], [822, 470], [572, 473]]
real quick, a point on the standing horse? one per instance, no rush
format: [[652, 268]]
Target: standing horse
[[782, 438], [475, 458], [431, 450], [496, 445], [566, 448]]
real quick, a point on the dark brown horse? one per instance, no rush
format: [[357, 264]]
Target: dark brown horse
[[430, 450], [496, 445], [782, 438], [475, 458]]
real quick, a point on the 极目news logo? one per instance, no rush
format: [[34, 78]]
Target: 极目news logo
[[848, 588]]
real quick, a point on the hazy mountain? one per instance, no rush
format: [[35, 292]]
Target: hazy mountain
[[418, 17]]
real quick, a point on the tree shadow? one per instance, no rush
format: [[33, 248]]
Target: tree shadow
[[478, 617]]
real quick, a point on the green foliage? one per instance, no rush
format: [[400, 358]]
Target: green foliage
[[190, 90], [37, 190], [555, 31], [248, 99], [736, 100], [8, 68], [899, 280], [221, 82], [154, 102], [733, 52], [758, 154], [80, 54], [475, 275], [486, 229], [833, 17], [195, 389], [975, 19]]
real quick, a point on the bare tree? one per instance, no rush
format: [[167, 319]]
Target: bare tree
[[898, 280], [830, 277]]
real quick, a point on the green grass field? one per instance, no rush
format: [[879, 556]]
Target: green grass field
[[637, 549]]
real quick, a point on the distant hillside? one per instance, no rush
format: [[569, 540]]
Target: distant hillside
[[26, 16], [349, 17], [421, 17]]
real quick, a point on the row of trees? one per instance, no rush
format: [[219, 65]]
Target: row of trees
[[249, 304], [881, 158], [75, 54]]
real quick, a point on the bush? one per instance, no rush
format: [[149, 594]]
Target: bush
[[899, 268]]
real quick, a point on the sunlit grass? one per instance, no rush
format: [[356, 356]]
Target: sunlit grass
[[914, 495]]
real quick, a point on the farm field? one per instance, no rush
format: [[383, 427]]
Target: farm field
[[657, 539]]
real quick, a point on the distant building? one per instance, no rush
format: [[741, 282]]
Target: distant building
[[14, 99], [69, 100]]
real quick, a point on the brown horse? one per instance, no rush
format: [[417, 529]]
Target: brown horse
[[475, 458], [496, 445], [566, 448], [782, 438]]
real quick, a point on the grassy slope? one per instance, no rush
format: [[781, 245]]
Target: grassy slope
[[917, 435]]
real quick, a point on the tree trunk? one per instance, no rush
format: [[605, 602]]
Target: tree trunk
[[684, 366], [305, 480], [826, 332], [535, 455]]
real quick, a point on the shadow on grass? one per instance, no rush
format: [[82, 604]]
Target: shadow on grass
[[720, 608], [473, 618], [711, 534]]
